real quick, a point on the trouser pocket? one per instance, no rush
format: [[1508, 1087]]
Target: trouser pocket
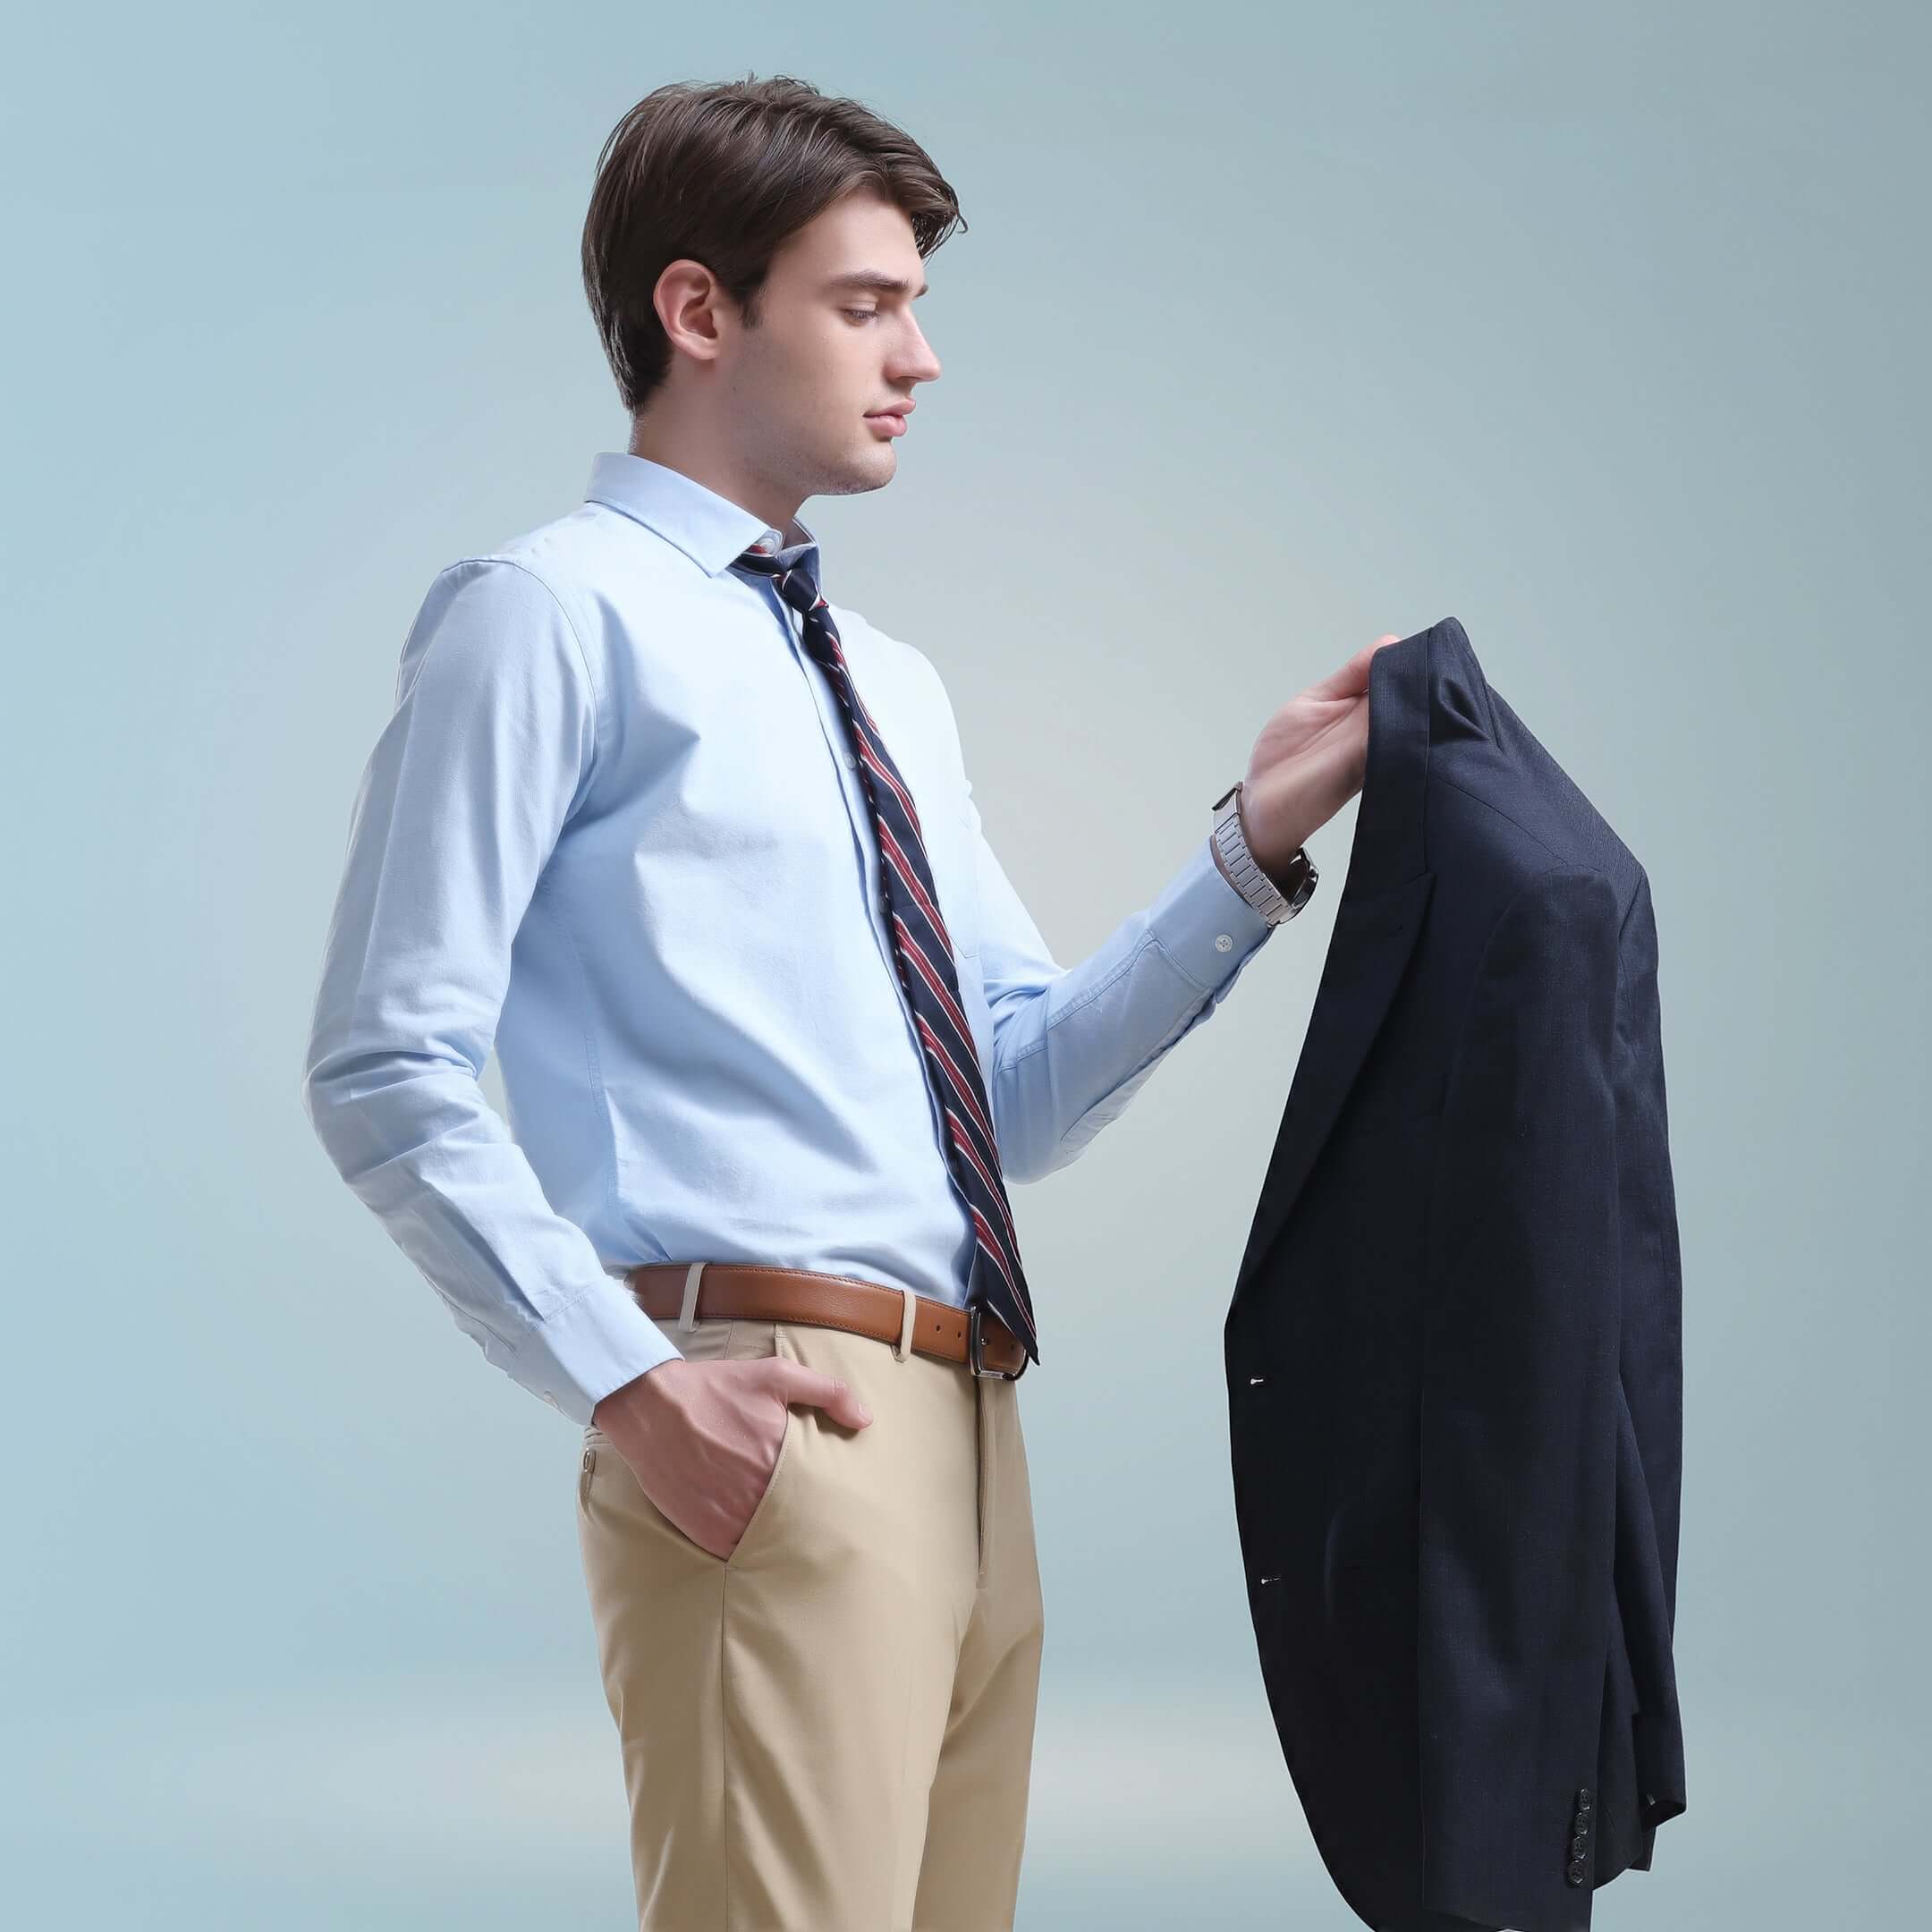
[[611, 1497]]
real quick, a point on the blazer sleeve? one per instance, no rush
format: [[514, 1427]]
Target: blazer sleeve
[[1516, 1496]]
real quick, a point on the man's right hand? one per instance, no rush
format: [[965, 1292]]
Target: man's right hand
[[702, 1437]]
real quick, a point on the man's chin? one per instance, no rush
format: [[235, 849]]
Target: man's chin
[[872, 471]]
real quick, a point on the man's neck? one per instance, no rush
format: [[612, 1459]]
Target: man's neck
[[684, 456]]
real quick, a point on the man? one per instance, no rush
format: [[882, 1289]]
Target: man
[[692, 848]]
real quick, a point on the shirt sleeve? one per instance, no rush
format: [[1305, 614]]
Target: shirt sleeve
[[489, 752], [1073, 1045]]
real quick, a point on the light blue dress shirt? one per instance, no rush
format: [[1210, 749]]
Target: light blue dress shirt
[[613, 832]]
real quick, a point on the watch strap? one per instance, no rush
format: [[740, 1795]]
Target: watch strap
[[1273, 903]]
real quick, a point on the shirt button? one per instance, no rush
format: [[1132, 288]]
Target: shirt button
[[851, 761], [1222, 943], [549, 1398]]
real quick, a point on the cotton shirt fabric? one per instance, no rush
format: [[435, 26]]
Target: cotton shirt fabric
[[613, 831]]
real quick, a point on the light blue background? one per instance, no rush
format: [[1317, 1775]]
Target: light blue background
[[1274, 329]]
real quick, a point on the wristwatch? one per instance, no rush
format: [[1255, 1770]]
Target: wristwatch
[[1276, 904]]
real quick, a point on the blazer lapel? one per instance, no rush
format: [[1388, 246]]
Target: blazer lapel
[[1371, 944], [1377, 922]]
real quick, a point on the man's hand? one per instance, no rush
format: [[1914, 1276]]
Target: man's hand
[[1308, 762], [702, 1437]]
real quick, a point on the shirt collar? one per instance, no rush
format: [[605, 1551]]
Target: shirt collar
[[710, 529]]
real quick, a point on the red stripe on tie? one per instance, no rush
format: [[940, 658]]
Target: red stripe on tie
[[896, 852], [904, 797], [991, 1154], [993, 1185], [956, 1077], [832, 633], [990, 1243], [932, 978]]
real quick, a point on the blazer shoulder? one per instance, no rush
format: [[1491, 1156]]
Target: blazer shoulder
[[1637, 903]]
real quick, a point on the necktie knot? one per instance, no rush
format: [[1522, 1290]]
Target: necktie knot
[[795, 582]]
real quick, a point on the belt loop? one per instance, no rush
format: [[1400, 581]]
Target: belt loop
[[905, 1347], [688, 1319]]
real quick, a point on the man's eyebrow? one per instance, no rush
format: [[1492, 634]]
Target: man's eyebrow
[[872, 278]]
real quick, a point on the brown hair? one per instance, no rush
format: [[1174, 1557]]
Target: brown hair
[[723, 174]]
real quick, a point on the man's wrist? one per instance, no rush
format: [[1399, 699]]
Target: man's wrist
[[1277, 874], [628, 1395], [1276, 894], [1272, 878], [1268, 872]]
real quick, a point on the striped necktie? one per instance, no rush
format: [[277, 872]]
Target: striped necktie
[[924, 955]]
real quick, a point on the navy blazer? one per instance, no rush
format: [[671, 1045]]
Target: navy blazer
[[1454, 1353]]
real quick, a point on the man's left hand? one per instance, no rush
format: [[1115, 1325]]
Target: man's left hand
[[1308, 762]]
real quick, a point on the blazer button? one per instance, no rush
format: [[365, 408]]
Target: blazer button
[[1575, 1873], [1579, 1845], [1583, 1798]]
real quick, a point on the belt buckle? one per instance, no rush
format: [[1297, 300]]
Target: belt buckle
[[975, 1345]]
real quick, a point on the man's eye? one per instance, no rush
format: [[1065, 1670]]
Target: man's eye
[[862, 311]]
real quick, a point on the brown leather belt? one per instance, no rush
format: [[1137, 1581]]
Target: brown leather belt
[[975, 1337]]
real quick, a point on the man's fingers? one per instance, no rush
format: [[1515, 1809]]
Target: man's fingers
[[1352, 680], [818, 1390]]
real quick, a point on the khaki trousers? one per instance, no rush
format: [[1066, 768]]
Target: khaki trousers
[[831, 1730]]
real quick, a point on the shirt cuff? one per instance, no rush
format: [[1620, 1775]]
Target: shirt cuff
[[1204, 926], [601, 1341]]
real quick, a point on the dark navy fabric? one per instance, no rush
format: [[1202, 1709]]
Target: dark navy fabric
[[1454, 1351]]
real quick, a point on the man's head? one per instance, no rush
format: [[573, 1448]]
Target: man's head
[[722, 222]]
